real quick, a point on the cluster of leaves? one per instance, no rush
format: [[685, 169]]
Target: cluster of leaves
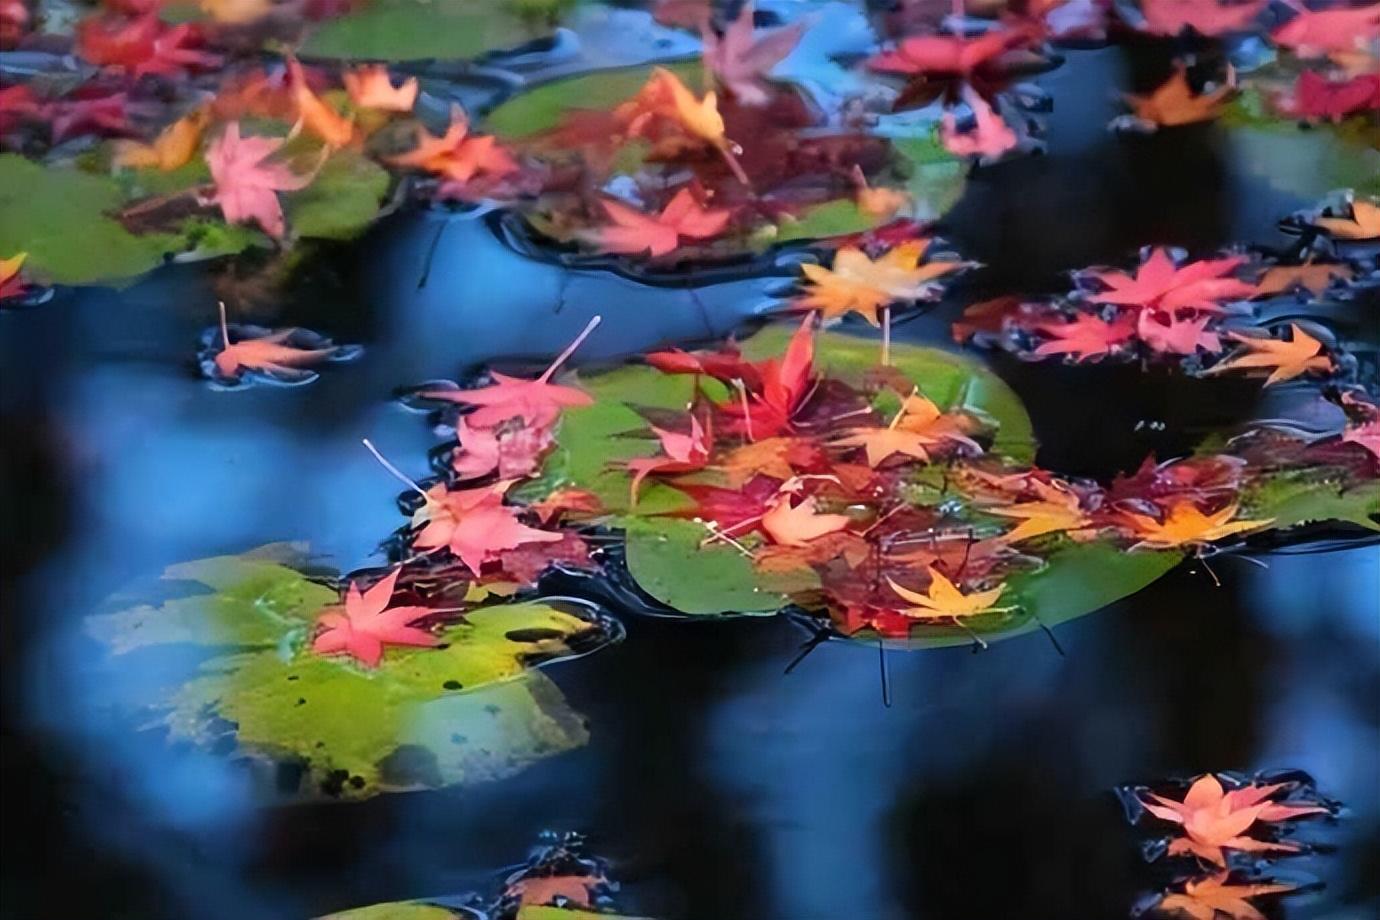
[[1226, 831], [897, 500], [559, 881], [1204, 314]]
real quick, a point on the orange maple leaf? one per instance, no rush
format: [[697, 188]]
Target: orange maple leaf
[[1185, 525], [1174, 103], [1214, 819], [634, 232], [172, 149], [1312, 277], [858, 284], [318, 117], [10, 283], [371, 87], [944, 600], [268, 353], [1364, 223], [457, 155], [1288, 359], [1213, 896], [1057, 511], [798, 524]]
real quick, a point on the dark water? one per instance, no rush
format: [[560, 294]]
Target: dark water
[[719, 787]]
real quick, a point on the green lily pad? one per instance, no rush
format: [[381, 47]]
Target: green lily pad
[[833, 218], [342, 201], [935, 178], [400, 910], [60, 217], [1303, 497], [466, 711], [532, 912], [542, 107], [409, 30], [1308, 163]]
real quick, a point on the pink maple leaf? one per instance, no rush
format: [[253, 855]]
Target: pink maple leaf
[[1158, 283], [367, 624], [1087, 336], [1313, 33], [474, 524], [990, 138], [1316, 97], [949, 55], [1206, 17], [633, 232], [1176, 335], [682, 453], [514, 451], [246, 186], [537, 402], [740, 62]]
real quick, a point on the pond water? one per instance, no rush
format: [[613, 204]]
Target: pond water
[[946, 783]]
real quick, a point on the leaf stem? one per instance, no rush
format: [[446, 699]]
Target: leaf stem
[[570, 349], [399, 474]]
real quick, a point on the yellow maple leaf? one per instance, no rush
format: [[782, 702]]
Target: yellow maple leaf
[[857, 284], [945, 600], [1185, 525], [1206, 898], [9, 268], [768, 456], [1289, 359], [1056, 511], [1174, 103], [172, 149], [1364, 223]]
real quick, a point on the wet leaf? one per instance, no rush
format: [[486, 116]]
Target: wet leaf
[[542, 107]]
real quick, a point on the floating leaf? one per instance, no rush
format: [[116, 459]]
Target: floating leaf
[[542, 107]]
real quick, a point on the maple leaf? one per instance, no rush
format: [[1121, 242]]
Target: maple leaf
[[1316, 97], [537, 402], [143, 45], [741, 62], [944, 600], [1174, 103], [683, 453], [82, 113], [1176, 335], [725, 364], [246, 186], [538, 890], [1299, 355], [1207, 898], [1160, 284], [318, 117], [990, 137], [172, 149], [1312, 277], [268, 353], [858, 284], [1364, 223], [367, 624], [371, 87], [633, 232], [947, 55], [1085, 336], [665, 96], [916, 427], [785, 384], [11, 284], [1316, 32], [797, 524], [554, 506], [1215, 819], [513, 451], [1185, 525], [456, 155], [17, 105], [1057, 511], [474, 524], [1206, 17], [778, 457]]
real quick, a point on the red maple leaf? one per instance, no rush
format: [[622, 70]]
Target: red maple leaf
[[17, 105], [1164, 332], [725, 364], [682, 453], [144, 45], [948, 55], [1158, 283], [785, 384], [512, 450], [1316, 97], [1313, 33], [89, 110], [537, 402], [474, 524], [367, 624], [1206, 17], [734, 512], [633, 232], [1086, 336]]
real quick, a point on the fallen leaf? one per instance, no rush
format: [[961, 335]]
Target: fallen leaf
[[1206, 17], [1364, 223], [11, 284], [1085, 336], [1214, 896], [143, 45], [1312, 277], [367, 624], [944, 600], [319, 118], [1214, 819], [682, 453], [1185, 525], [1174, 103], [1159, 284], [1298, 355], [268, 354], [172, 149], [785, 384], [1168, 334], [456, 155], [858, 284], [1362, 428], [543, 889], [1312, 33], [633, 232], [474, 524], [246, 186], [990, 137], [741, 62], [798, 524], [1058, 511], [371, 87], [513, 451], [947, 55], [235, 12], [1316, 97]]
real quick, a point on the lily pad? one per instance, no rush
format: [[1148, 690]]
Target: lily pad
[[60, 217], [935, 178], [402, 910], [342, 201], [542, 107], [466, 711], [409, 30], [1303, 497], [833, 218]]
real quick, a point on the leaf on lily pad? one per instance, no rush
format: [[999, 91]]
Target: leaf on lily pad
[[465, 711], [542, 107]]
